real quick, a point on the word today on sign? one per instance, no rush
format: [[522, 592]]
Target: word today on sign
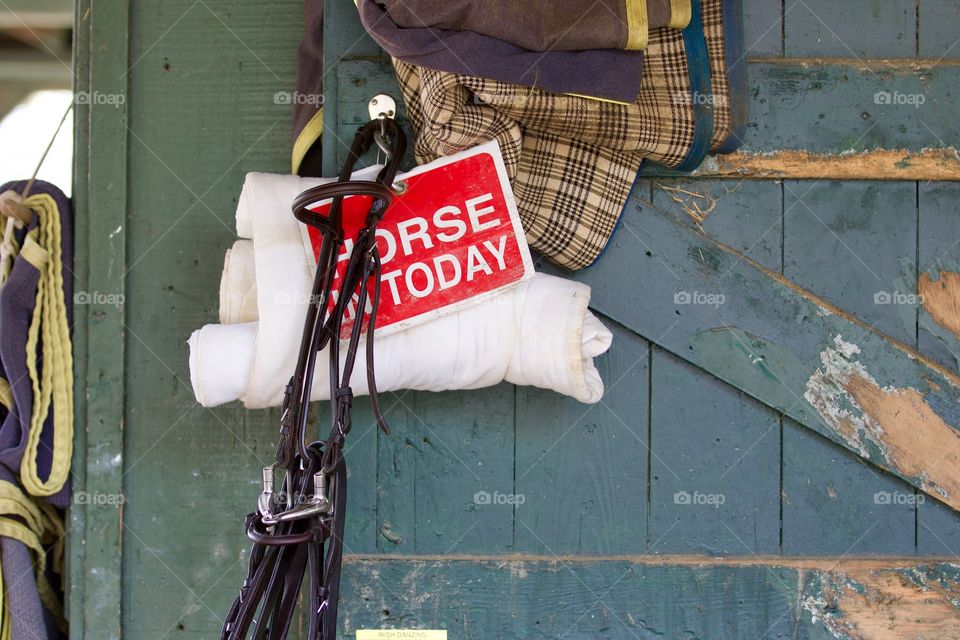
[[451, 239]]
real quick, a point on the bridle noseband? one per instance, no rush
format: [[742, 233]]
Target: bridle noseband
[[302, 525]]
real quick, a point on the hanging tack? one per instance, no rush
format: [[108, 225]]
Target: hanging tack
[[11, 206]]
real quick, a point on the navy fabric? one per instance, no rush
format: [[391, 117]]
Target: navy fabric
[[613, 74], [29, 619]]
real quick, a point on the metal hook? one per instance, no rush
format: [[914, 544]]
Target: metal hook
[[318, 504], [380, 137]]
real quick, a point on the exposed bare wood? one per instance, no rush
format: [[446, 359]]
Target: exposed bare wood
[[883, 604], [873, 64], [941, 299], [876, 164], [849, 398]]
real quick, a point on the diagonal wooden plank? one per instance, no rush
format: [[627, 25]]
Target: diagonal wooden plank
[[760, 332]]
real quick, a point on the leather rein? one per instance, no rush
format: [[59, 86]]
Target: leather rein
[[299, 529]]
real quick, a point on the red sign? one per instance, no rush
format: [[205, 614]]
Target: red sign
[[451, 239]]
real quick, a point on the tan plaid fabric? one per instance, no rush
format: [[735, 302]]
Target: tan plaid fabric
[[712, 13], [572, 160]]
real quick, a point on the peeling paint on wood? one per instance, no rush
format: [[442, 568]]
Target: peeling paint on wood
[[770, 338], [542, 597], [895, 424], [940, 297], [885, 604], [875, 164]]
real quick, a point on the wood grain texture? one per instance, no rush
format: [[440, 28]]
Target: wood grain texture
[[937, 29], [745, 214], [444, 454], [763, 27], [828, 108], [938, 528], [583, 469], [836, 504], [695, 414], [855, 28], [875, 164], [862, 230], [715, 482]]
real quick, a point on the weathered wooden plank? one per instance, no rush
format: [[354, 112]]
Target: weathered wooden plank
[[877, 164], [203, 78], [582, 469], [746, 215], [863, 230], [855, 28], [462, 442], [878, 120], [742, 461], [939, 264], [763, 27], [783, 345], [550, 599], [360, 452], [104, 210], [938, 528], [883, 604], [580, 597], [715, 480], [812, 119], [76, 566], [828, 108], [937, 29], [835, 504]]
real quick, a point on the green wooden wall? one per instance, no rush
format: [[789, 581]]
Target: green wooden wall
[[601, 546]]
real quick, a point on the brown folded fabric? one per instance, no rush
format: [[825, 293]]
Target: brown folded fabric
[[307, 101], [558, 25]]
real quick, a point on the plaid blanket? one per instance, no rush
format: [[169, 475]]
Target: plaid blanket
[[572, 159]]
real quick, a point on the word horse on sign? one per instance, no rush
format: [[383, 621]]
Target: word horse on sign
[[451, 238]]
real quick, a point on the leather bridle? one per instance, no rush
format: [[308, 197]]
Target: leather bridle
[[300, 528]]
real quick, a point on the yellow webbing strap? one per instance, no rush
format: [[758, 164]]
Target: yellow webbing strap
[[34, 524], [6, 629], [6, 394], [54, 382], [4, 612], [680, 14], [638, 30], [311, 132]]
